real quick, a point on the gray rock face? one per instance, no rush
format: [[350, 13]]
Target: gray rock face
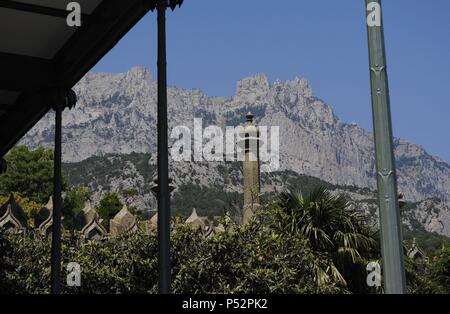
[[432, 214], [116, 113]]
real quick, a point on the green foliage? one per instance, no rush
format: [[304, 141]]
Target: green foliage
[[430, 242], [30, 173], [26, 265], [127, 193], [123, 265], [110, 205], [75, 199], [252, 259], [209, 201], [138, 214], [296, 244], [440, 270], [73, 203], [418, 279], [303, 183], [97, 170], [332, 227]]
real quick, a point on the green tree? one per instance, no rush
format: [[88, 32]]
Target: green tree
[[440, 270], [332, 227], [73, 203], [110, 205], [30, 173], [418, 278]]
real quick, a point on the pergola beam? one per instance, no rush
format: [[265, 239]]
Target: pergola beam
[[22, 73], [85, 49], [37, 105], [9, 107], [37, 9], [35, 77]]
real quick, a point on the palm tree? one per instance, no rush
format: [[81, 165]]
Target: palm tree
[[334, 228]]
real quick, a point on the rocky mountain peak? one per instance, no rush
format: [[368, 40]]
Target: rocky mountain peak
[[139, 73], [252, 89], [299, 86]]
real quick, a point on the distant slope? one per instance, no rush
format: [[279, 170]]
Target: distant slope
[[116, 113], [213, 188]]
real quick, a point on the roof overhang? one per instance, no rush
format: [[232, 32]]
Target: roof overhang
[[40, 55]]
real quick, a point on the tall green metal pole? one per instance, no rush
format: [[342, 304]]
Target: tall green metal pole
[[390, 223]]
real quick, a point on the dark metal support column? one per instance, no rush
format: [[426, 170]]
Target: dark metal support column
[[163, 157], [64, 99], [57, 190], [390, 222], [3, 165]]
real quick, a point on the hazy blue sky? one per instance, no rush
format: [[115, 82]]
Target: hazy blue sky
[[214, 43]]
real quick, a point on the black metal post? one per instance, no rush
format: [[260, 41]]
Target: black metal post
[[3, 165], [163, 157], [57, 190], [390, 222]]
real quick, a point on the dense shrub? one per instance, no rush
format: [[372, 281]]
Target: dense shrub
[[255, 258], [284, 249], [109, 206]]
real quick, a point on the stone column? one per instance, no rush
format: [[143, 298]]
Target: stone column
[[250, 141]]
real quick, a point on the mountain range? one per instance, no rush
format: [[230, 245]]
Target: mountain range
[[116, 114]]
